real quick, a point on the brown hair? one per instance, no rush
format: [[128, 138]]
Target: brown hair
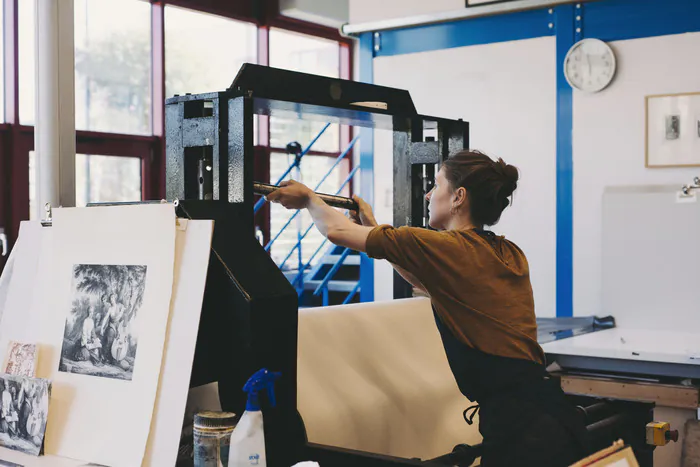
[[489, 183]]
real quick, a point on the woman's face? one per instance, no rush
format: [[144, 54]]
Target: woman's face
[[440, 200]]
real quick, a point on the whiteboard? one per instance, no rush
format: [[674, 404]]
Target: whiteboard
[[651, 255]]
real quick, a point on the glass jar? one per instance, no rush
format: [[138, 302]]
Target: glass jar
[[212, 436]]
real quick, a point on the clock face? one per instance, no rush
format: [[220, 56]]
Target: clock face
[[590, 65]]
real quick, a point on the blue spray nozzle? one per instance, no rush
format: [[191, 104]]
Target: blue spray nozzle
[[260, 381]]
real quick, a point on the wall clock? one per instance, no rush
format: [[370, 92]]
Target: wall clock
[[590, 65]]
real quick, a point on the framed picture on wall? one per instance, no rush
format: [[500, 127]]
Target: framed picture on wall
[[673, 130]]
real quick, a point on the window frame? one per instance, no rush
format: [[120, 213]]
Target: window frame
[[16, 140]]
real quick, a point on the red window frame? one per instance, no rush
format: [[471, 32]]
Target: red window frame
[[16, 141]]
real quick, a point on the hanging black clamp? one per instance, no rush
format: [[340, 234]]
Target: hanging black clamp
[[295, 149]]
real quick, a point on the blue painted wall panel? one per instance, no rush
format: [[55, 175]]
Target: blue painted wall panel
[[484, 30], [614, 20], [566, 36], [366, 165]]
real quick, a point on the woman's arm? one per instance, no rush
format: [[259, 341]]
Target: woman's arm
[[331, 223], [365, 216]]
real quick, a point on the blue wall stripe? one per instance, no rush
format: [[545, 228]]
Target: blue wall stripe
[[474, 31], [614, 20], [366, 164], [565, 31]]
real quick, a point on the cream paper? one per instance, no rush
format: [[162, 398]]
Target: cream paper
[[374, 377], [97, 418], [6, 276], [192, 248], [20, 272]]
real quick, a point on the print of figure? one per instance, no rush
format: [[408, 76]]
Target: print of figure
[[25, 407], [8, 413], [90, 345], [114, 331], [37, 414], [100, 334]]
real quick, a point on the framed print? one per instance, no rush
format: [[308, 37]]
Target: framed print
[[673, 130]]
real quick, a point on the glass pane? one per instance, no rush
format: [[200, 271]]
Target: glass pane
[[106, 178], [27, 71], [298, 52], [203, 52], [113, 66], [97, 179], [313, 169], [306, 54], [285, 130]]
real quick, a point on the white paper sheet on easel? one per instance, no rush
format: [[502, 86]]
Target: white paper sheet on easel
[[103, 288], [5, 278], [21, 278], [192, 250]]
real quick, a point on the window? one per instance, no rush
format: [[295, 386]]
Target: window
[[97, 179], [118, 45], [306, 54], [27, 71], [203, 53], [106, 178], [313, 169], [113, 66]]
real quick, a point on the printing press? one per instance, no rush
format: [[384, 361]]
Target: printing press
[[250, 312]]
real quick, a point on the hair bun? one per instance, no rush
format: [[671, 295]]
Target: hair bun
[[510, 175]]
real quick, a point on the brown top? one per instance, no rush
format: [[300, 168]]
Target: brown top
[[479, 285]]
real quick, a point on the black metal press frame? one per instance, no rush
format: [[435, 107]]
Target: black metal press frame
[[250, 312]]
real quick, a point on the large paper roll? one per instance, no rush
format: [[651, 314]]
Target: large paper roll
[[374, 377]]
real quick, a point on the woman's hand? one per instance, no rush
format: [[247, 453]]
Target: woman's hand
[[364, 216], [291, 195]]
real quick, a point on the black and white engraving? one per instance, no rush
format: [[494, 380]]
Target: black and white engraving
[[673, 127], [100, 337], [23, 413]]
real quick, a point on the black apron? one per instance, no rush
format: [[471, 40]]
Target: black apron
[[524, 417]]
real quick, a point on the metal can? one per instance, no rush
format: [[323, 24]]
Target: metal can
[[212, 436]]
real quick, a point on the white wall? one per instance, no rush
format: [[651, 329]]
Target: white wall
[[374, 10], [507, 91], [609, 144]]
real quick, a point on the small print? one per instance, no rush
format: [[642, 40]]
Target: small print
[[25, 407], [21, 359], [673, 127], [9, 464], [100, 337]]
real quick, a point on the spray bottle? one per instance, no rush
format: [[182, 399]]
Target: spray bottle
[[248, 439]]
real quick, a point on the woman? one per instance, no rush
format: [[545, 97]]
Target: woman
[[479, 286], [111, 326]]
